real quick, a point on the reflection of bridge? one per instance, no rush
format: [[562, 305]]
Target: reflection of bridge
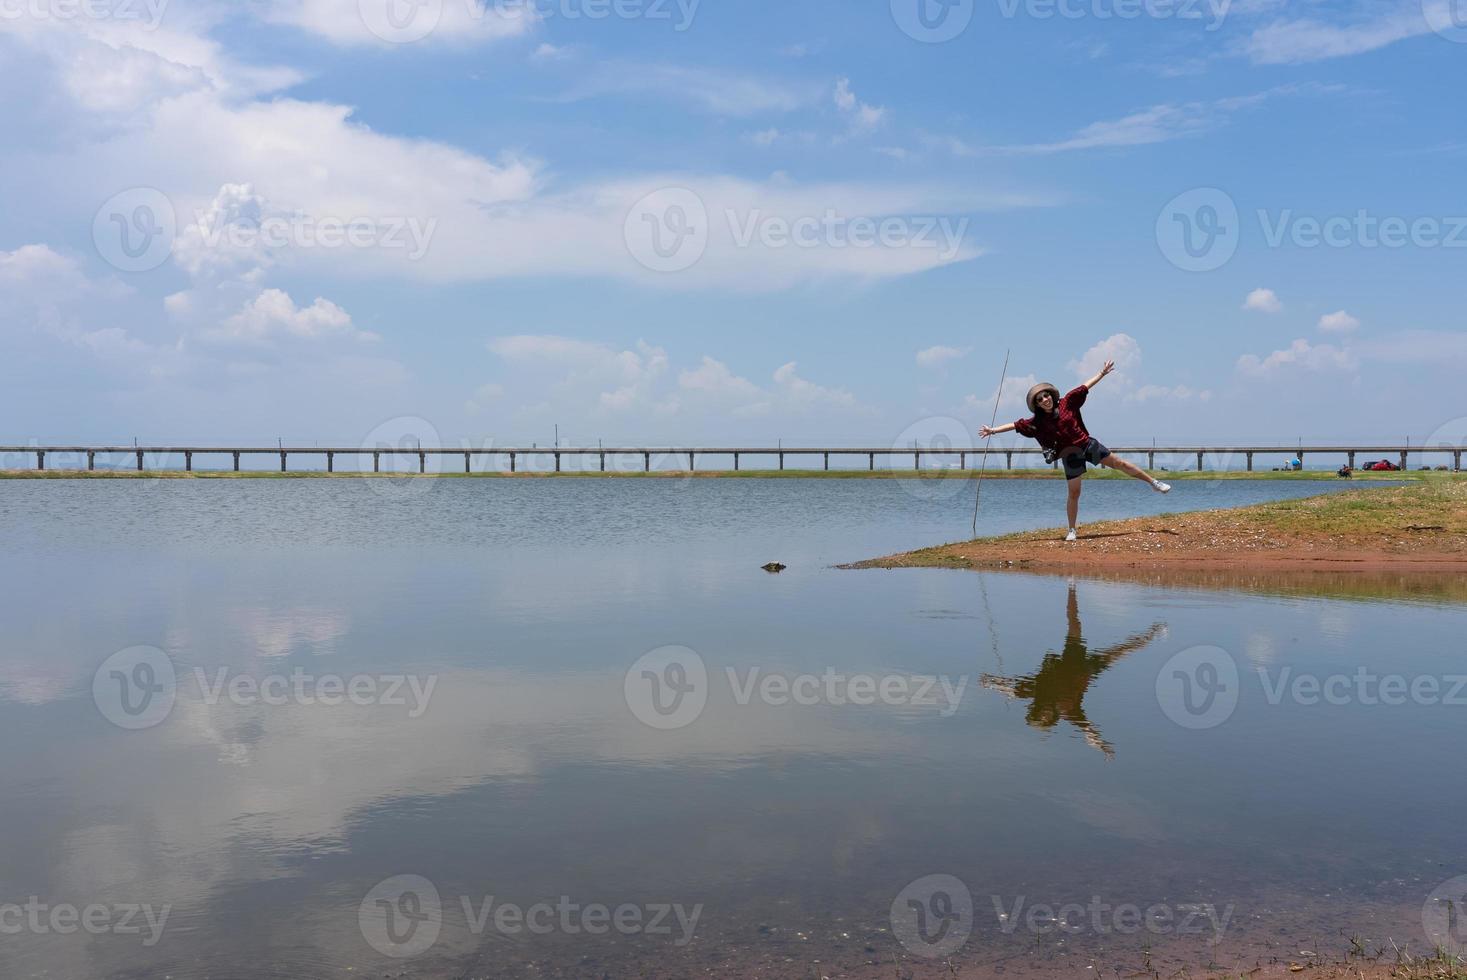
[[1221, 457]]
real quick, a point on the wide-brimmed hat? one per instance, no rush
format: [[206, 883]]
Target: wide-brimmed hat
[[1042, 386]]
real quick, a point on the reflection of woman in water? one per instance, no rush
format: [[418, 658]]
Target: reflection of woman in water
[[1056, 691]]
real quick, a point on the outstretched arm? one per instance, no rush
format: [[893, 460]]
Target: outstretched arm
[[1109, 367], [986, 431]]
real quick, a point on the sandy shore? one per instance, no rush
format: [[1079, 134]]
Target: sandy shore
[[1411, 529]]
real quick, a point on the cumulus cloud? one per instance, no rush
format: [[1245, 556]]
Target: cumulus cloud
[[1301, 355], [1263, 301], [273, 315], [1338, 322]]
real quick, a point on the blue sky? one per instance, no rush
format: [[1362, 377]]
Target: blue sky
[[857, 215]]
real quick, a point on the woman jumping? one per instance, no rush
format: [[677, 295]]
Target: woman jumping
[[1058, 427]]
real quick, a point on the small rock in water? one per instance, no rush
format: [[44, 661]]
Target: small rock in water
[[774, 567]]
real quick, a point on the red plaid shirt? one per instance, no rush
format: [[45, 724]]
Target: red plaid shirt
[[1062, 428]]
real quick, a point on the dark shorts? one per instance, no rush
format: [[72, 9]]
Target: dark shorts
[[1075, 460]]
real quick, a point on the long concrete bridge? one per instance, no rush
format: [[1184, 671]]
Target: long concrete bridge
[[965, 458]]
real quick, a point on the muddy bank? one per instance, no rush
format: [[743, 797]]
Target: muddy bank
[[1411, 530]]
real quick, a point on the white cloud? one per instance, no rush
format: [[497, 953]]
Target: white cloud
[[346, 22], [550, 52], [1263, 301], [273, 315], [1119, 347], [1013, 393], [764, 137], [1305, 40], [1338, 322], [936, 357], [33, 264], [1301, 354], [218, 151], [716, 91], [863, 118], [1146, 393]]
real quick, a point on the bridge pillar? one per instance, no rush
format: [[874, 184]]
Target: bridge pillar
[[140, 460], [781, 461], [40, 460], [1250, 462], [282, 461], [557, 462], [511, 462], [1457, 461], [736, 462], [603, 462], [690, 462], [91, 460], [1351, 456], [1403, 459], [1199, 461], [962, 461], [188, 462], [871, 461], [468, 464], [376, 462], [236, 462], [647, 462], [1010, 459], [1151, 461], [827, 461], [917, 461], [330, 462], [422, 462]]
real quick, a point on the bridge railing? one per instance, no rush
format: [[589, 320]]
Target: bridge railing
[[1222, 457]]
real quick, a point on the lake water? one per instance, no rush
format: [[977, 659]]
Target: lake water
[[570, 729]]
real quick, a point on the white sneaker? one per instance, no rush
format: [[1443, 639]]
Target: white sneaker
[[1071, 535], [1160, 487]]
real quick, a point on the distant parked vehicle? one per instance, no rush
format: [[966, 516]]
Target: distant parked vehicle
[[1381, 466]]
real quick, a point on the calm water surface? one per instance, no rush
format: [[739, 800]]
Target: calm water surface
[[585, 693]]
